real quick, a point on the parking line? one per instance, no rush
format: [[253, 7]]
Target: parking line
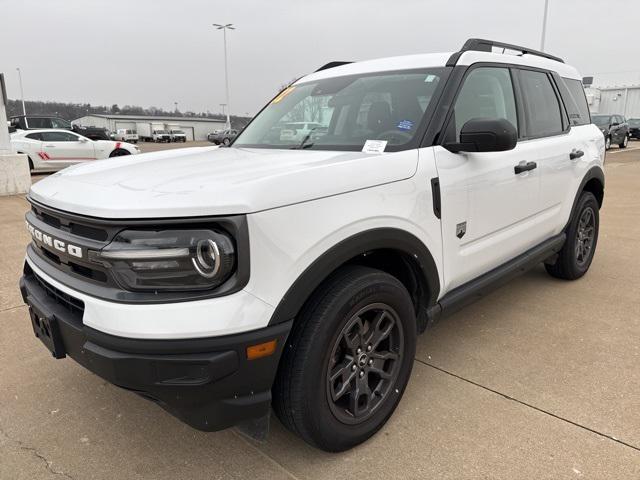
[[623, 150]]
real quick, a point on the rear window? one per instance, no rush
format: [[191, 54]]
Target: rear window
[[575, 100]]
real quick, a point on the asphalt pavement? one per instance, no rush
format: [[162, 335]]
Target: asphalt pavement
[[539, 380]]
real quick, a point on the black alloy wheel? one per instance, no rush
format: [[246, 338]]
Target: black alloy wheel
[[364, 363], [585, 236]]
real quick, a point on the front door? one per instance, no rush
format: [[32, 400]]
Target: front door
[[66, 148], [487, 206]]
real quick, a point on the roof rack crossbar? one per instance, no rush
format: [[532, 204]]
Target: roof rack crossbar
[[482, 45], [331, 65]]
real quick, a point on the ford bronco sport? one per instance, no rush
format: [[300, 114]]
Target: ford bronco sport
[[297, 272]]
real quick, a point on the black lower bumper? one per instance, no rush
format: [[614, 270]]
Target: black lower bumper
[[206, 382]]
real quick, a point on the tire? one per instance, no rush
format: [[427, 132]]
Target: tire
[[31, 167], [226, 142], [607, 142], [317, 345], [577, 253], [625, 142], [119, 152]]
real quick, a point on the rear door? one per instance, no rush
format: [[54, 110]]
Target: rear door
[[488, 210], [62, 149], [548, 134]]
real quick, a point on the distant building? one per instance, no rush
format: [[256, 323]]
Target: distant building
[[195, 128], [623, 100]]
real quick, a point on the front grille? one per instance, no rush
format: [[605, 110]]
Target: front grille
[[75, 306], [71, 226]]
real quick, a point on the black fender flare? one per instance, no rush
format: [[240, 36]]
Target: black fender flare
[[350, 248], [594, 172]]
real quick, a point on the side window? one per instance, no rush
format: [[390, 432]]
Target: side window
[[575, 100], [34, 136], [58, 137], [542, 110], [487, 93], [39, 122]]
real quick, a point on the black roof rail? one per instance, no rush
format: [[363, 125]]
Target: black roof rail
[[482, 45], [331, 65]]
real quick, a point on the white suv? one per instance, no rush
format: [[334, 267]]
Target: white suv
[[298, 272]]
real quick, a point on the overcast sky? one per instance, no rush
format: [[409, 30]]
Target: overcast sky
[[155, 52]]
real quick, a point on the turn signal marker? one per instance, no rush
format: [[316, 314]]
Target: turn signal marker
[[261, 350]]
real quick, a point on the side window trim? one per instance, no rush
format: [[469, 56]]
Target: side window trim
[[564, 112], [517, 90]]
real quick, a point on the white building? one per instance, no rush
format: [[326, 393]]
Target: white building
[[623, 100], [194, 127]]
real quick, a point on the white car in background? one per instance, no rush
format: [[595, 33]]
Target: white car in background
[[50, 150]]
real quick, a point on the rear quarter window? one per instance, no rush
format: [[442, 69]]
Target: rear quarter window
[[575, 101]]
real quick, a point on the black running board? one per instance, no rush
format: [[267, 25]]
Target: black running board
[[484, 284]]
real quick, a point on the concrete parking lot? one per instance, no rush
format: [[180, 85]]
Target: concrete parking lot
[[541, 379]]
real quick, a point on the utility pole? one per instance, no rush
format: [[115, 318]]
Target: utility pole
[[24, 110], [176, 105], [224, 28], [544, 24]]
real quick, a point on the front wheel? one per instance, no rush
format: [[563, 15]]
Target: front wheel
[[226, 142], [607, 143], [582, 237], [119, 152], [347, 360], [625, 142]]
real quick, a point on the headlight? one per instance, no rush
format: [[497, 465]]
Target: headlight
[[143, 260]]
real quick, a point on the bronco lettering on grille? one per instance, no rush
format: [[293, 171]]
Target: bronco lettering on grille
[[57, 244]]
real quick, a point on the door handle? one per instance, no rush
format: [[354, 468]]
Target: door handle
[[525, 167], [50, 146], [575, 154]]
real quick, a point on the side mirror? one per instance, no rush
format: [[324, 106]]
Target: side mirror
[[83, 139], [485, 135]]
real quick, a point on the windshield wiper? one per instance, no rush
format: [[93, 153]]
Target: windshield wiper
[[303, 144]]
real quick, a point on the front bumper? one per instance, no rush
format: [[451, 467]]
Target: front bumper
[[206, 382]]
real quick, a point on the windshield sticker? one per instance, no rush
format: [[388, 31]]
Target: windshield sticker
[[405, 125], [283, 94], [430, 78], [374, 146]]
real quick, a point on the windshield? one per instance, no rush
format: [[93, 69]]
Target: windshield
[[601, 120], [634, 122], [342, 113]]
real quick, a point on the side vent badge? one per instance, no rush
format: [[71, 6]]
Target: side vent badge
[[461, 229]]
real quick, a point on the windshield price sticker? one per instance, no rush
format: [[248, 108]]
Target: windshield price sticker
[[283, 94], [374, 146]]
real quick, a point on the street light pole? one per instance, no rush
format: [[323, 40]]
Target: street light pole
[[544, 24], [224, 28], [24, 110]]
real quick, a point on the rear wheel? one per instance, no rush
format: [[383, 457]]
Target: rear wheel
[[348, 359], [607, 143], [119, 152], [625, 142], [582, 237]]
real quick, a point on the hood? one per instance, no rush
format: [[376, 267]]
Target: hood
[[215, 181]]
